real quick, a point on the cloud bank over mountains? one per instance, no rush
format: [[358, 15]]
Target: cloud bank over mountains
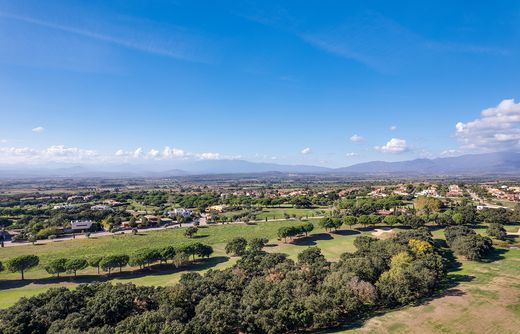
[[496, 129]]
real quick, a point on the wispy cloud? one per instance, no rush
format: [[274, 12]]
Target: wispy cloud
[[371, 39], [175, 43]]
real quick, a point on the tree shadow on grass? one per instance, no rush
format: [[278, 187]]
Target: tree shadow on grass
[[347, 232], [496, 254], [154, 270], [199, 236], [311, 240]]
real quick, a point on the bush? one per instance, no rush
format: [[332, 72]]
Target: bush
[[497, 231], [472, 246]]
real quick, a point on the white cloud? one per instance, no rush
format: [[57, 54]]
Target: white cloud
[[351, 154], [450, 153], [394, 145], [138, 153], [153, 153], [209, 156], [38, 129], [56, 153], [356, 138], [306, 151], [497, 128], [173, 152], [392, 128]]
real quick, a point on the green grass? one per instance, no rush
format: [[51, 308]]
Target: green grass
[[38, 280], [103, 245]]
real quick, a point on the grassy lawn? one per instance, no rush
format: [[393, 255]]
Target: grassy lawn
[[278, 212], [11, 289]]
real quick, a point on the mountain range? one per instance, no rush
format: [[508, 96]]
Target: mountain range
[[500, 163]]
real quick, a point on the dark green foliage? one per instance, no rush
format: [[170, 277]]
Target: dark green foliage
[[94, 261], [465, 242], [261, 293], [114, 261], [56, 266], [497, 231], [190, 231], [257, 244], [453, 232], [144, 257], [237, 246], [74, 265], [472, 246], [22, 263]]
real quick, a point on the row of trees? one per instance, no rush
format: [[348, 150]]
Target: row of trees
[[293, 231], [262, 293], [142, 258]]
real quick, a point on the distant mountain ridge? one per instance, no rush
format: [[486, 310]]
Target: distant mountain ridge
[[470, 164], [500, 163]]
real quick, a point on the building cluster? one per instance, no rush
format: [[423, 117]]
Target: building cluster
[[503, 192]]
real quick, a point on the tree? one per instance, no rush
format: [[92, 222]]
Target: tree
[[350, 221], [190, 231], [327, 223], [256, 244], [497, 231], [22, 263], [180, 259], [236, 246], [1, 267], [56, 266], [114, 261], [168, 253], [364, 220], [472, 246], [283, 232], [391, 220], [427, 205], [311, 255], [73, 265], [144, 257], [94, 261], [453, 232], [307, 228], [204, 250]]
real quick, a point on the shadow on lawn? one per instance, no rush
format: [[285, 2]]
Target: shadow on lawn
[[311, 240], [347, 232], [155, 270]]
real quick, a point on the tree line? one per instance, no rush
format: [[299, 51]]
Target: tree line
[[142, 258]]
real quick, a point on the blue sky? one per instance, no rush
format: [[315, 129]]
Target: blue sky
[[328, 83]]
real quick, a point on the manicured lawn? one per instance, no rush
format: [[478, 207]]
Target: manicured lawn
[[11, 289]]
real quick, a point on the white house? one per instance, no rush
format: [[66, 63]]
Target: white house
[[81, 225], [101, 207], [179, 211]]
